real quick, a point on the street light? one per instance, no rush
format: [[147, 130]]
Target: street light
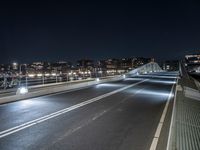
[[47, 74], [124, 76], [31, 75], [15, 64], [39, 75], [90, 74], [22, 90]]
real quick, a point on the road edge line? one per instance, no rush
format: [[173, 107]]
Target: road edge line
[[161, 121], [172, 118]]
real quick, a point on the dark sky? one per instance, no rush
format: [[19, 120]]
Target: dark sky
[[53, 30]]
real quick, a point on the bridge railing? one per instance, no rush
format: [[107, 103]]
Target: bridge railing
[[147, 68], [184, 129]]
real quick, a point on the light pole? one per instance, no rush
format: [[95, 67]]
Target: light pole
[[5, 82], [43, 78], [15, 64], [74, 75], [67, 76], [90, 74], [26, 75]]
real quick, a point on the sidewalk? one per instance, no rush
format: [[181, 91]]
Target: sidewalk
[[185, 129]]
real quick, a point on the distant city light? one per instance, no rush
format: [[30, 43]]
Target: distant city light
[[14, 64], [97, 79], [47, 74], [31, 75], [39, 74]]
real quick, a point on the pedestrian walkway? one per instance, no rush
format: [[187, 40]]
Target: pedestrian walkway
[[185, 129]]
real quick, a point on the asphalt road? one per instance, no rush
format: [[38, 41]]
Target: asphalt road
[[121, 115]]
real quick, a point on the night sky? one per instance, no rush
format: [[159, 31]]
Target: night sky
[[53, 30]]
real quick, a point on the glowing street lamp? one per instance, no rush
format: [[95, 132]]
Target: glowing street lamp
[[22, 91], [124, 76], [39, 75], [31, 75], [47, 74], [53, 74], [15, 64]]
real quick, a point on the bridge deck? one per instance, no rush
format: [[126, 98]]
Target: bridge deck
[[186, 123], [118, 115]]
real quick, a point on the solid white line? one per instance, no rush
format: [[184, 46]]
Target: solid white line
[[160, 124], [60, 112], [172, 118]]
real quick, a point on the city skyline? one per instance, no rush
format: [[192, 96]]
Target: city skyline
[[74, 62], [99, 75], [37, 31]]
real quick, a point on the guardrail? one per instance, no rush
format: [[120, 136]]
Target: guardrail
[[56, 89], [196, 82], [184, 129], [13, 90], [12, 81]]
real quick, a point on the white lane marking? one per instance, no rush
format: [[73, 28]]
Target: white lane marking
[[160, 124], [83, 124], [172, 117], [60, 112]]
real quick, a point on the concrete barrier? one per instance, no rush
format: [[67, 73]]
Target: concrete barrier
[[197, 83], [45, 85], [55, 90]]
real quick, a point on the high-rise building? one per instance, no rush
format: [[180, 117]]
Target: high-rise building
[[171, 65], [85, 64], [192, 62]]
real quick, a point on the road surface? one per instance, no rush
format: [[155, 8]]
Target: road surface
[[120, 115]]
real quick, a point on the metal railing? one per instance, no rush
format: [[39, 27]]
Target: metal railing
[[147, 68], [25, 80], [184, 129]]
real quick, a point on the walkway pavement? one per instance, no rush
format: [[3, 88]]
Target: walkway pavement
[[185, 129]]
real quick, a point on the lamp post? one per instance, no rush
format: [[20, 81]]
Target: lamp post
[[26, 75], [15, 64], [43, 78], [5, 82]]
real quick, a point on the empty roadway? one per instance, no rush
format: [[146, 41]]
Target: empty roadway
[[119, 115]]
